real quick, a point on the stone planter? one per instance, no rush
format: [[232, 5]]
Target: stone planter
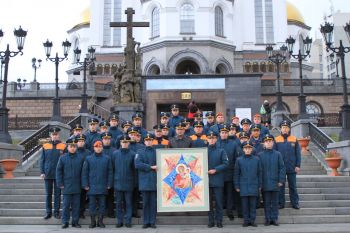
[[9, 165], [334, 163], [304, 143]]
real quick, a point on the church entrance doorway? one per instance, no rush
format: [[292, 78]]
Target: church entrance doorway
[[187, 67]]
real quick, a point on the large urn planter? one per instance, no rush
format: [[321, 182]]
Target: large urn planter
[[304, 143], [333, 160], [9, 165]]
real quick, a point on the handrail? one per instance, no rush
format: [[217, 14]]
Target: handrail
[[287, 118], [101, 111], [31, 144], [75, 121], [319, 138]]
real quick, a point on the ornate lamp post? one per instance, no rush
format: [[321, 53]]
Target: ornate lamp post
[[2, 63], [277, 57], [36, 64], [300, 56], [56, 113], [88, 60], [327, 31], [21, 83], [5, 56]]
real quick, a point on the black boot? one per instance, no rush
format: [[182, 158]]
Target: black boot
[[100, 222], [93, 221]]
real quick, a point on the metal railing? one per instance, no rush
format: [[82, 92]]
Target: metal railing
[[99, 111], [31, 144], [288, 118], [319, 138], [323, 120], [75, 121]]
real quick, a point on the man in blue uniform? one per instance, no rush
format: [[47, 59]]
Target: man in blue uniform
[[248, 181], [175, 118], [124, 180], [273, 177], [217, 163], [125, 126], [113, 129], [164, 120], [232, 134], [48, 163], [108, 151], [92, 135], [289, 147], [198, 117], [159, 141], [235, 120], [104, 127], [246, 125], [210, 116], [146, 164], [256, 138], [68, 177], [137, 122], [76, 130], [220, 121], [199, 139], [97, 178], [232, 152], [257, 120], [188, 128], [83, 152]]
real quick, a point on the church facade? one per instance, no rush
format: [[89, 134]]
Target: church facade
[[212, 51]]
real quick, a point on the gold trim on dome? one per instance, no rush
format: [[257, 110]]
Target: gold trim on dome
[[293, 14]]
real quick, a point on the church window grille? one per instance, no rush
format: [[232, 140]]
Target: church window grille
[[155, 22], [271, 67], [248, 67], [263, 67], [187, 19], [285, 67], [107, 70], [99, 69], [219, 22], [255, 67], [313, 108]]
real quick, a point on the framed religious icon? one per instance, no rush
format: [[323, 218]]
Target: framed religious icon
[[182, 180]]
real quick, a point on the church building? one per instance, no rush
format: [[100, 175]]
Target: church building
[[210, 51]]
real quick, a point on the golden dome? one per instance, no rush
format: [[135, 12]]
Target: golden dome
[[85, 15], [293, 14]]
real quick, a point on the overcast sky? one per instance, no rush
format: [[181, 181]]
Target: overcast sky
[[50, 19]]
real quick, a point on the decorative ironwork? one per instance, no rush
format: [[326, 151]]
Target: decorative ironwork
[[75, 121], [323, 120], [99, 111], [268, 83], [319, 138], [31, 144]]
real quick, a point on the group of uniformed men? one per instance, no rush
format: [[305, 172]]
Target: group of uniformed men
[[247, 167]]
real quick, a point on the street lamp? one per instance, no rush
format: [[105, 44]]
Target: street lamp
[[88, 60], [277, 57], [36, 64], [2, 63], [5, 56], [327, 32], [56, 113], [21, 83], [300, 56]]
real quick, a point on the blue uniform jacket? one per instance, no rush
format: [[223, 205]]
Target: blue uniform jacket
[[207, 127], [289, 147], [83, 152], [189, 131], [68, 173], [264, 130], [108, 151], [116, 132], [273, 170], [124, 170], [97, 174], [49, 158], [232, 152], [199, 141], [248, 175], [216, 128], [142, 131], [175, 120], [144, 159], [91, 138], [217, 159]]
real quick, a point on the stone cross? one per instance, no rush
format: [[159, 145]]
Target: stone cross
[[130, 45]]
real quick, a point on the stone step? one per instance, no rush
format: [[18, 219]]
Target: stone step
[[303, 197], [303, 204], [183, 220], [312, 168], [318, 172], [260, 212]]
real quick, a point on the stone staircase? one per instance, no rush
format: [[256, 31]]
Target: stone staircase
[[323, 199]]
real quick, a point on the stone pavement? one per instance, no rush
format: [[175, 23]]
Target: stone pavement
[[288, 228]]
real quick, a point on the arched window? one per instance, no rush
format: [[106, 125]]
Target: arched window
[[255, 67], [248, 67], [114, 68], [99, 69], [187, 19], [155, 23], [76, 45], [285, 67], [313, 108], [107, 69], [219, 22], [263, 67], [271, 67]]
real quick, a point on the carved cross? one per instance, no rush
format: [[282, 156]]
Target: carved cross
[[129, 36]]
